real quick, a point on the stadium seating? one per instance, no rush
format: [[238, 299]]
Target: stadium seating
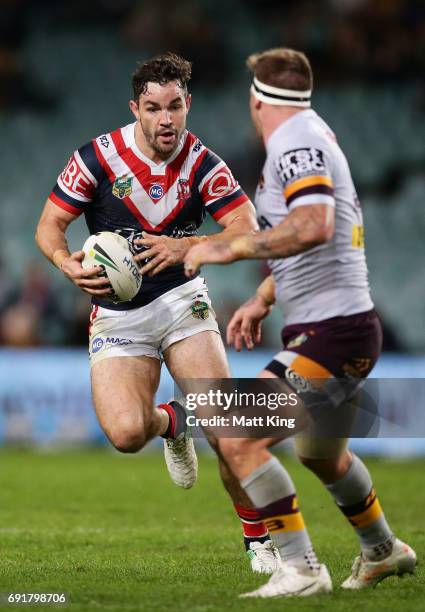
[[376, 145]]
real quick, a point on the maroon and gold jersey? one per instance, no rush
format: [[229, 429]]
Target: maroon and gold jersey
[[120, 190]]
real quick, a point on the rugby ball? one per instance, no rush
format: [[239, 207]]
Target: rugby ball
[[112, 252]]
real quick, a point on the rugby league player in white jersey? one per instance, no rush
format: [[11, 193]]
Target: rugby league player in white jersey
[[312, 236]]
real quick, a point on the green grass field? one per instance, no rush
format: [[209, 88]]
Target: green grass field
[[115, 534]]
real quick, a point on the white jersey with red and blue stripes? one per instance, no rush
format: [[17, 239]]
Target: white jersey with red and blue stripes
[[119, 189]]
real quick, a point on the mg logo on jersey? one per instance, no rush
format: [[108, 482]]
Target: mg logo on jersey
[[156, 191], [97, 345], [183, 189], [122, 187]]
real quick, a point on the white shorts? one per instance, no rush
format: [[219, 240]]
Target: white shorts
[[149, 330]]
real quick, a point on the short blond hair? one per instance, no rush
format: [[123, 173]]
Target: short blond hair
[[282, 67]]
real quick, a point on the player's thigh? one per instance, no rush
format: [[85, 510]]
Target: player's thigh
[[310, 449], [201, 355], [315, 447], [319, 449], [123, 389], [267, 442], [193, 362], [238, 449]]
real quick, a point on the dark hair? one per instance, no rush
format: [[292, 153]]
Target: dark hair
[[161, 69], [281, 67]]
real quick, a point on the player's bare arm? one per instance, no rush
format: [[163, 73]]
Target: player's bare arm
[[165, 251], [304, 228], [51, 240], [245, 325]]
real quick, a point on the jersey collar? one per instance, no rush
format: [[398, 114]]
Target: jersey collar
[[128, 133], [288, 124]]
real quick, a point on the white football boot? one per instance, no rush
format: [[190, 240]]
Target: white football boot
[[264, 557], [366, 574], [182, 462], [289, 581], [179, 452]]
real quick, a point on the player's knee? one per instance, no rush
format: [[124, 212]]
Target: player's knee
[[309, 463], [328, 469], [127, 437], [236, 450], [126, 442]]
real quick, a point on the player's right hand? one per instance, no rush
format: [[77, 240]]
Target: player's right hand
[[87, 280], [245, 325]]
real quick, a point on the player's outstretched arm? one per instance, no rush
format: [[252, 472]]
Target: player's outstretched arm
[[304, 228], [51, 240], [164, 251], [245, 325]]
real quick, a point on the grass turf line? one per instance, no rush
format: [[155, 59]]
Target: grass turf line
[[117, 535]]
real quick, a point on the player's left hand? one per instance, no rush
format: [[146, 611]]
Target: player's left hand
[[210, 251], [162, 251], [245, 325]]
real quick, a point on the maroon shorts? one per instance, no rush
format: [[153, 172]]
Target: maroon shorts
[[344, 346]]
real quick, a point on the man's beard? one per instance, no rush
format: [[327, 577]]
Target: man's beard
[[152, 141]]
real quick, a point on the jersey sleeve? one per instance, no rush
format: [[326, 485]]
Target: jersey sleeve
[[76, 185], [305, 176], [219, 190]]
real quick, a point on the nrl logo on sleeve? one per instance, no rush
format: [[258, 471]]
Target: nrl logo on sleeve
[[200, 310], [122, 187]]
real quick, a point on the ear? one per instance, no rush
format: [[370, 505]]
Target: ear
[[134, 109], [254, 102], [188, 101]]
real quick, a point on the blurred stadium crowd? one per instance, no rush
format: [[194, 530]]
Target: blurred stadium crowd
[[65, 77]]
